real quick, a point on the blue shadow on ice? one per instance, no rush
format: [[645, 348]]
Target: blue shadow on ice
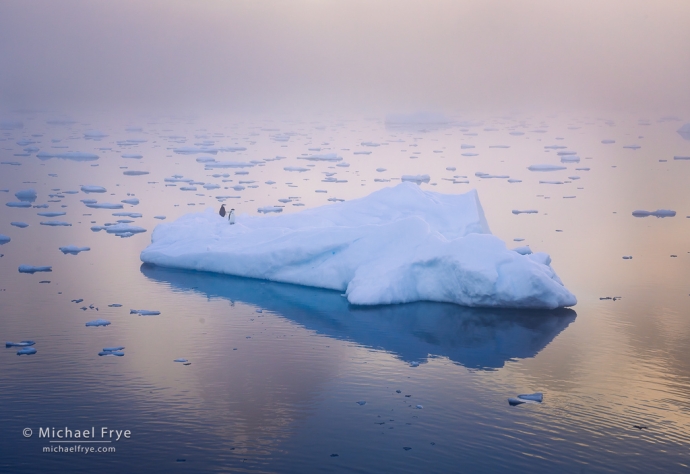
[[476, 338]]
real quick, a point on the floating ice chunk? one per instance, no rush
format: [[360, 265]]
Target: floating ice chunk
[[362, 153], [123, 229], [132, 201], [181, 360], [68, 155], [499, 146], [28, 195], [482, 175], [524, 250], [56, 223], [296, 168], [567, 152], [608, 142], [380, 170], [132, 156], [581, 169], [343, 165], [93, 189], [397, 245], [51, 214], [373, 144], [73, 249], [627, 257], [528, 211], [94, 134], [20, 344], [450, 168], [104, 205], [98, 322], [570, 159], [332, 157], [519, 401], [414, 363], [633, 147], [4, 239], [113, 349], [267, 209], [657, 213], [190, 150], [133, 215], [18, 204], [535, 397], [159, 217], [211, 186], [34, 269], [417, 178], [681, 157], [134, 173], [26, 351], [144, 312], [470, 154], [465, 146], [513, 180], [550, 182], [361, 403], [111, 353], [205, 159], [21, 225], [546, 167]]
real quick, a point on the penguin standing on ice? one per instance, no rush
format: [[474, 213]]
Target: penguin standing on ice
[[231, 217], [222, 211]]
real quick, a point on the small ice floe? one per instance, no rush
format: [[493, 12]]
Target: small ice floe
[[335, 199], [18, 204], [98, 322], [134, 173], [470, 154], [499, 146], [26, 195], [320, 191], [188, 188], [361, 153], [26, 351], [103, 205], [450, 168], [608, 142], [73, 249], [94, 135], [211, 186], [332, 157], [419, 407], [414, 363], [123, 229], [361, 403], [4, 239], [20, 344], [270, 182], [518, 239], [524, 250], [570, 159], [144, 312], [465, 146], [133, 215], [115, 305], [417, 178], [267, 209], [657, 213], [132, 156], [93, 189], [632, 147], [550, 182], [132, 201], [181, 360], [513, 180], [627, 257], [527, 211], [299, 169], [205, 159], [681, 157], [582, 169], [370, 144], [380, 170], [159, 217], [569, 197], [527, 398], [483, 175], [112, 351], [34, 269], [546, 167], [69, 155], [52, 214]]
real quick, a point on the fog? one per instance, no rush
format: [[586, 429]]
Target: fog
[[358, 56]]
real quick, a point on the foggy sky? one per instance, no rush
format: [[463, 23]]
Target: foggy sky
[[369, 56]]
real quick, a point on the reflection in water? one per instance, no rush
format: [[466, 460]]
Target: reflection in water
[[477, 338]]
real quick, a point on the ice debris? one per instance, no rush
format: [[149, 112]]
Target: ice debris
[[98, 322], [657, 213], [34, 269]]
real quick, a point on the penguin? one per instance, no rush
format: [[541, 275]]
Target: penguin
[[222, 211], [231, 217]]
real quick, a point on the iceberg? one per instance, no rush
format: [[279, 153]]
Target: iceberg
[[397, 245], [4, 239]]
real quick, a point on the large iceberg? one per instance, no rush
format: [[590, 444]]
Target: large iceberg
[[397, 245]]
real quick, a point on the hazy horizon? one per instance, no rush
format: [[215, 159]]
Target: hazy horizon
[[355, 57]]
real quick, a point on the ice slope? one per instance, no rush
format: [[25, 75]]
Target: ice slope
[[397, 245]]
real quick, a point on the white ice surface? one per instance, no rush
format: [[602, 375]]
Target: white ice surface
[[397, 245]]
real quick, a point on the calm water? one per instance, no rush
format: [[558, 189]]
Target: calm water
[[277, 370]]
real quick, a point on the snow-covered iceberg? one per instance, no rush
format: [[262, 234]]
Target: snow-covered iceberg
[[397, 245]]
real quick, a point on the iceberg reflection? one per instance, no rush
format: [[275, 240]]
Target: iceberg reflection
[[476, 338]]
